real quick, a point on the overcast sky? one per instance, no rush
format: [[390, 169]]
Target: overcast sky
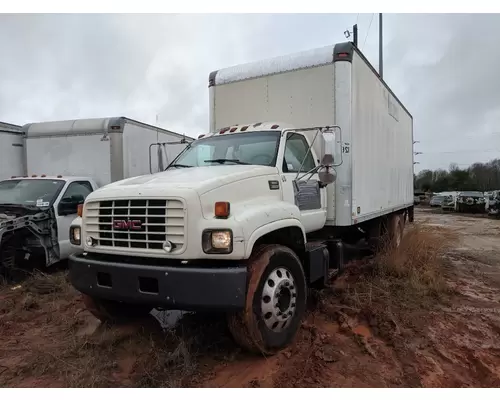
[[445, 69]]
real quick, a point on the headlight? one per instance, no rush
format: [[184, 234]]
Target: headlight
[[217, 241], [75, 235]]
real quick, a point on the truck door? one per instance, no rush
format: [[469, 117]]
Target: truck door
[[306, 192], [66, 211]]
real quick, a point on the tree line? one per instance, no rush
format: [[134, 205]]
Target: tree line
[[479, 176]]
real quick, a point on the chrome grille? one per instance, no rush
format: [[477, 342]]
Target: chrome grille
[[136, 224]]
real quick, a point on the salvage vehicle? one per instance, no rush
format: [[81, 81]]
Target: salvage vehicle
[[493, 203], [437, 200], [470, 201], [76, 157], [252, 214]]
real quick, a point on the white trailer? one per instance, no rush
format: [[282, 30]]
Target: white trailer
[[333, 85], [249, 216], [11, 150], [106, 149]]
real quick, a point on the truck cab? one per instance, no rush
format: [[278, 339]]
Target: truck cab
[[225, 212]]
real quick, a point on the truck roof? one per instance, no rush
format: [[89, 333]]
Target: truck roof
[[250, 127], [5, 127], [88, 125], [52, 177], [293, 62]]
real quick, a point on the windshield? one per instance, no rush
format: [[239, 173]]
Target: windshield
[[257, 148], [30, 192]]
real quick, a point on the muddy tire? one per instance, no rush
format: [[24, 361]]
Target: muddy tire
[[275, 303], [395, 229], [113, 311]]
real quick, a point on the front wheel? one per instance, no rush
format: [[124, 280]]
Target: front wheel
[[275, 303], [113, 311]]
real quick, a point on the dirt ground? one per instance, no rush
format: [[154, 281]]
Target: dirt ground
[[427, 319]]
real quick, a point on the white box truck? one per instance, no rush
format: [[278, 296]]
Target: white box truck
[[305, 152], [62, 162], [11, 150]]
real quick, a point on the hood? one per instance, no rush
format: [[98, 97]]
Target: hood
[[200, 179]]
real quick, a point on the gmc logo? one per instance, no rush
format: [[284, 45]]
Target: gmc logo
[[128, 225]]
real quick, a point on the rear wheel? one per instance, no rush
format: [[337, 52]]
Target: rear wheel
[[275, 303], [395, 228], [113, 311]]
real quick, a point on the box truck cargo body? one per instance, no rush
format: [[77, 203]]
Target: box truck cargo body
[[333, 85], [106, 149], [11, 150]]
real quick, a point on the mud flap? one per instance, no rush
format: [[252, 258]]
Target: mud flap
[[318, 259]]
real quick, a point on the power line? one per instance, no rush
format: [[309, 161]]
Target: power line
[[368, 31]]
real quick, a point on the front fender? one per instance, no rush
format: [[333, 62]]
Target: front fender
[[273, 226], [258, 217]]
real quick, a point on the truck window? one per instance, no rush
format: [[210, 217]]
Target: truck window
[[76, 190], [295, 150], [257, 148]]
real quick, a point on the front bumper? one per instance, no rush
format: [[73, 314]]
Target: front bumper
[[182, 287]]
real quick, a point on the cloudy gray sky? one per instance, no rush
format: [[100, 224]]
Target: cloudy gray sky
[[443, 67]]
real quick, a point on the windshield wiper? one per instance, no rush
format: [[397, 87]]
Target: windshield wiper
[[180, 166], [225, 160]]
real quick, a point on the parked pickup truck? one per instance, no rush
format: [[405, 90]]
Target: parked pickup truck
[[253, 213]]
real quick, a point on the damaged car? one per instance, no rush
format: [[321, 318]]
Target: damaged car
[[35, 215], [470, 202]]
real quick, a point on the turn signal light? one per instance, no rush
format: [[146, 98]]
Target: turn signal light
[[222, 209], [79, 210]]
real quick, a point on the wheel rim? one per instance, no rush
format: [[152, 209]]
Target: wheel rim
[[279, 299]]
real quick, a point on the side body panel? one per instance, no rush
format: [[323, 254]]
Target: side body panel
[[382, 147], [11, 155], [136, 142], [70, 155]]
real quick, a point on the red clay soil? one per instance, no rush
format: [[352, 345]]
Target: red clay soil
[[352, 337]]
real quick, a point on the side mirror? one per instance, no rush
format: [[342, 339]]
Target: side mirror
[[327, 148], [327, 176], [69, 206]]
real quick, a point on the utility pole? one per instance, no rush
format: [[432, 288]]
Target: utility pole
[[380, 50]]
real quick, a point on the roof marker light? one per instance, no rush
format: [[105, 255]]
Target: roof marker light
[[244, 128], [59, 176], [275, 127], [199, 137], [233, 129]]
